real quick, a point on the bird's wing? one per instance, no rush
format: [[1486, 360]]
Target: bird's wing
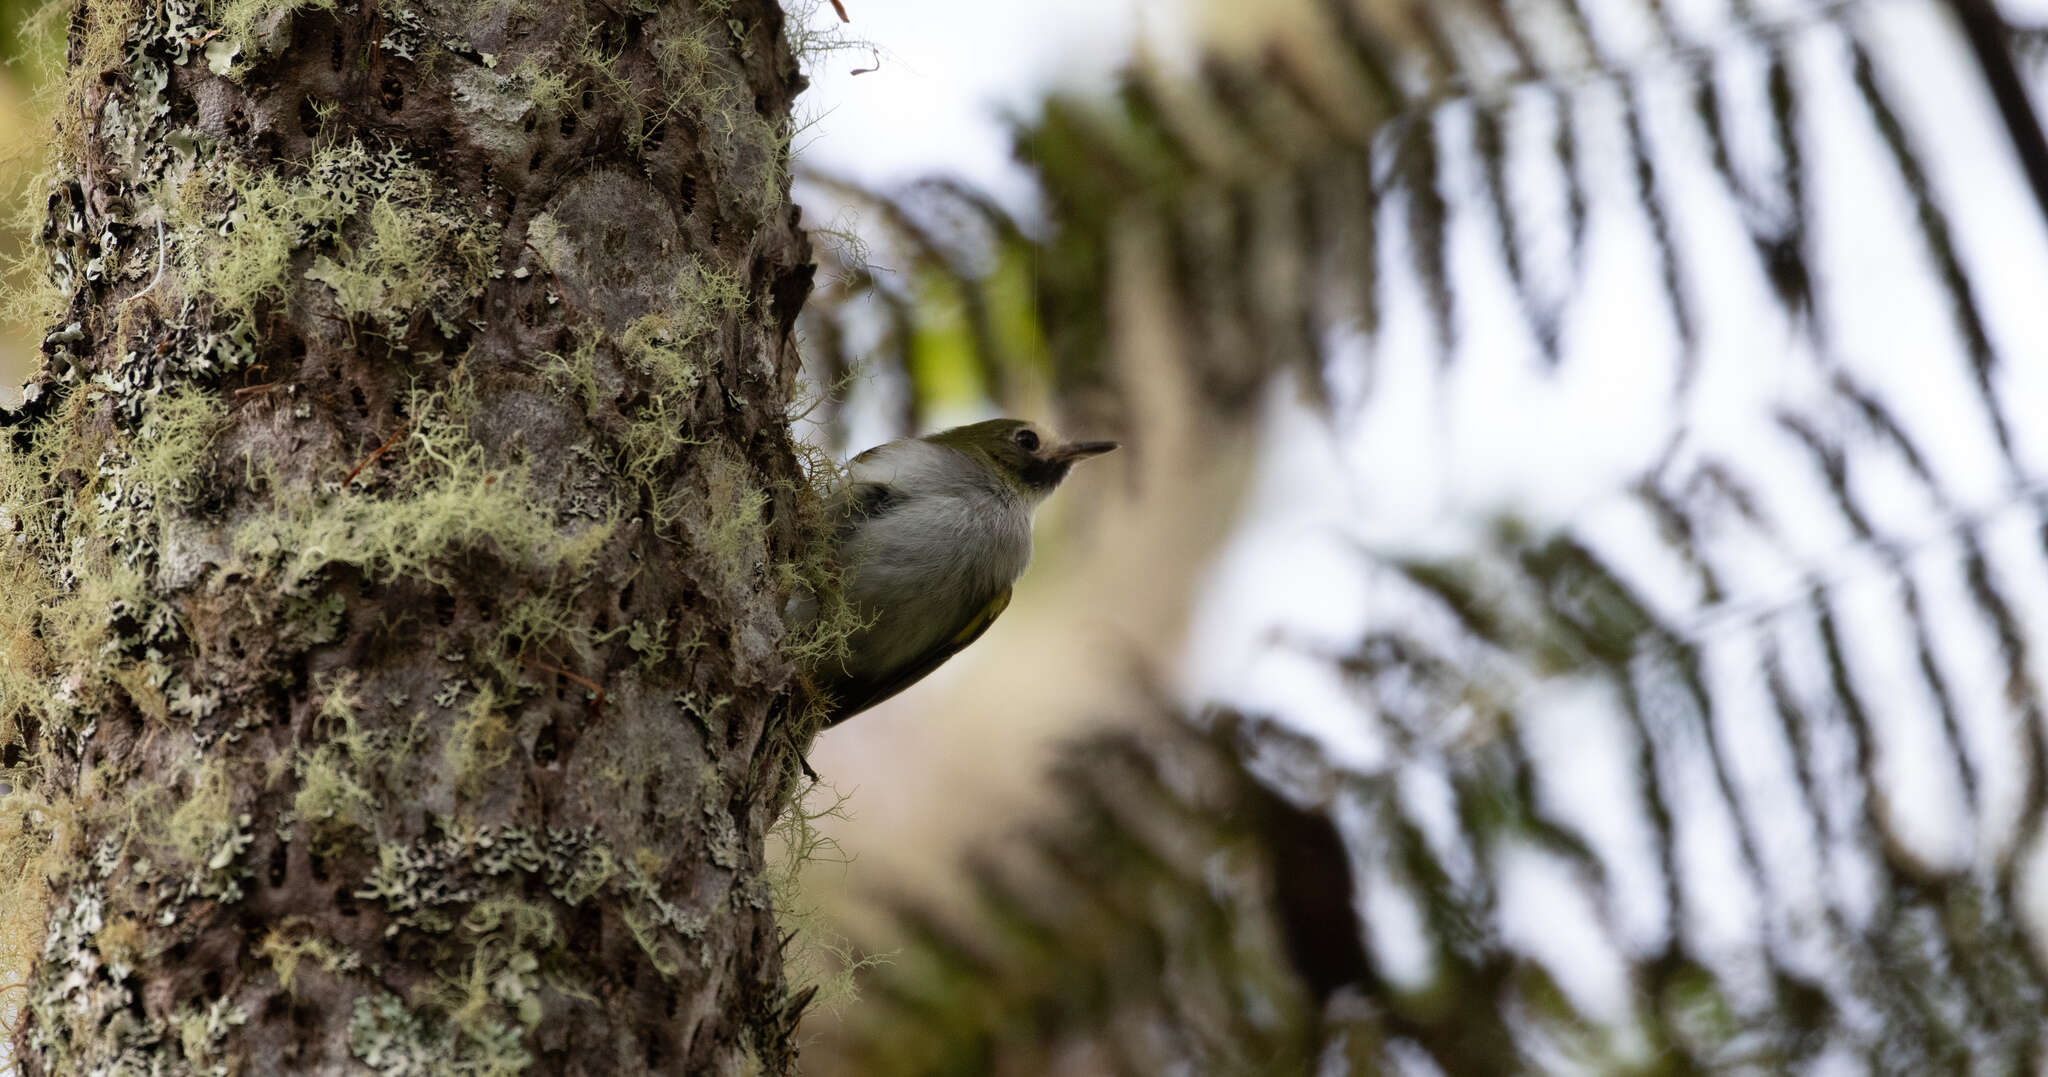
[[868, 493], [854, 695], [862, 501]]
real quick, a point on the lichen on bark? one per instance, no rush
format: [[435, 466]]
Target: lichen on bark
[[397, 538]]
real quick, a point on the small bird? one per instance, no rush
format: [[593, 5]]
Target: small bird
[[932, 533]]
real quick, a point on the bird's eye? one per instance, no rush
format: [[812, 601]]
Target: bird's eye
[[1027, 440]]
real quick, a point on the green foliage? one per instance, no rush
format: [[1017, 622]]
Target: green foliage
[[1136, 905]]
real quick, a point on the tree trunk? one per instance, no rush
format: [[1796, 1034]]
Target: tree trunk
[[399, 531]]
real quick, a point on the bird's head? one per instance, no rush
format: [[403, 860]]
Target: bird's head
[[1025, 456]]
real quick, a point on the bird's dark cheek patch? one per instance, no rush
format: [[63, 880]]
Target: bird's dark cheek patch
[[1046, 474]]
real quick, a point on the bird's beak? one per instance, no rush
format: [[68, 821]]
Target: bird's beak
[[1082, 450]]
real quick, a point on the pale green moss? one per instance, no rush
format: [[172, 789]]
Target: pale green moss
[[452, 502], [208, 836], [202, 1032], [292, 940], [670, 350], [417, 250], [649, 642], [551, 90], [238, 229], [575, 374], [25, 663], [508, 937], [480, 742], [79, 624], [684, 59], [818, 956], [31, 849], [732, 532], [331, 805], [402, 242], [534, 619], [609, 79], [248, 26], [820, 624], [172, 445]]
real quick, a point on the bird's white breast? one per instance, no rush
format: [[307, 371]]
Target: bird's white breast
[[948, 541]]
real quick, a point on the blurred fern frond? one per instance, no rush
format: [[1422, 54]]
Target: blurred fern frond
[[1739, 765], [1597, 839], [1421, 150]]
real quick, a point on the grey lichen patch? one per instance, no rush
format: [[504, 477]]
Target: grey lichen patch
[[679, 282], [427, 885], [722, 836], [501, 102], [85, 1012], [397, 1040], [431, 886], [90, 1018]]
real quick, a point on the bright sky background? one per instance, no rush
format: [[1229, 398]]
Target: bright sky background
[[947, 71]]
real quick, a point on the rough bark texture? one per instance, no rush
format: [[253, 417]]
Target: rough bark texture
[[399, 533]]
